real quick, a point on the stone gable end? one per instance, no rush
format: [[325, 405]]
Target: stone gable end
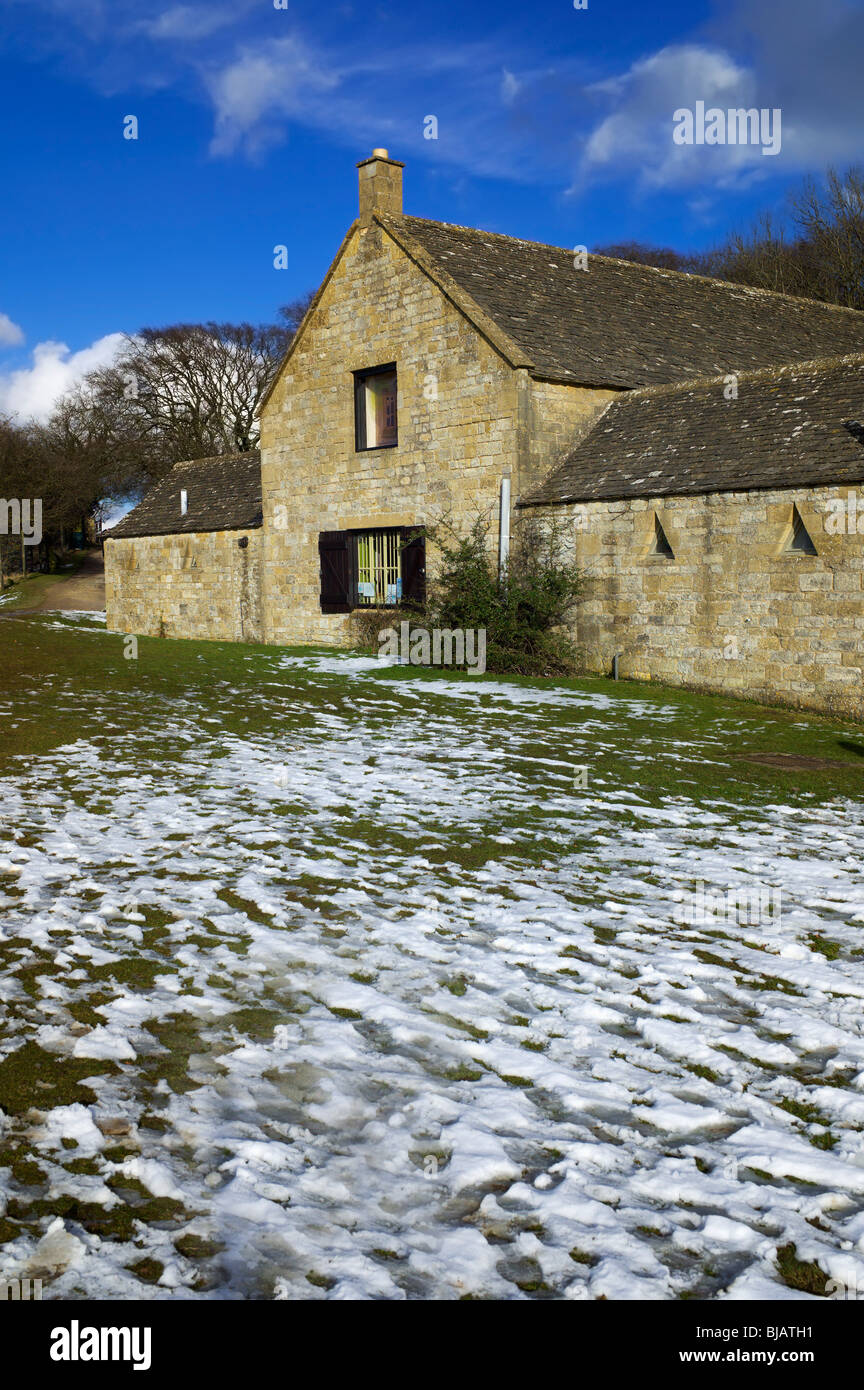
[[466, 419]]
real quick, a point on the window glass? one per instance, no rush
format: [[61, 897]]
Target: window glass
[[379, 577], [376, 409]]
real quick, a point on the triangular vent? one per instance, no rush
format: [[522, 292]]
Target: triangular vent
[[800, 540], [661, 544]]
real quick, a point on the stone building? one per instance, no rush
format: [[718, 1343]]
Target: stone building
[[186, 562], [696, 437], [714, 522]]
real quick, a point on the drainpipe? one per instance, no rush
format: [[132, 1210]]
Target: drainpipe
[[504, 530]]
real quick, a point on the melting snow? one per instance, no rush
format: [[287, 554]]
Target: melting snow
[[367, 1072]]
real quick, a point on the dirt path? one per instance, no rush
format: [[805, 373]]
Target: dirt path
[[84, 590]]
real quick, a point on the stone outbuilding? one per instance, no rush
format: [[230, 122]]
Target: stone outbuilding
[[717, 524], [690, 433], [186, 562]]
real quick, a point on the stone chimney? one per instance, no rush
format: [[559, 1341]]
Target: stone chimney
[[380, 185]]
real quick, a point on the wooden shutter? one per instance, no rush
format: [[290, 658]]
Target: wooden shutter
[[413, 566], [336, 553]]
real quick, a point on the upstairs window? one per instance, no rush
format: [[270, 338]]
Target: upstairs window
[[375, 421]]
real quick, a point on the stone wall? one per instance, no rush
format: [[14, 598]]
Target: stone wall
[[735, 610], [556, 417], [466, 419], [458, 416], [204, 585]]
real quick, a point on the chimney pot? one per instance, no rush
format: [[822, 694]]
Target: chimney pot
[[380, 186]]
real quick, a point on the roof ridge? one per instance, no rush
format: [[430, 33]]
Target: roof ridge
[[639, 265], [214, 458], [753, 374]]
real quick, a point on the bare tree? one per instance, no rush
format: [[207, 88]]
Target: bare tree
[[767, 258], [662, 257], [292, 314], [817, 254], [831, 221], [186, 391]]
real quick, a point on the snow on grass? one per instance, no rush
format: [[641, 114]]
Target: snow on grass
[[374, 1002], [85, 619]]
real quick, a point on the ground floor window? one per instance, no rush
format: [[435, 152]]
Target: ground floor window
[[372, 569], [378, 567]]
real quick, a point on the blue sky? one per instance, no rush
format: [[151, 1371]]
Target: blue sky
[[553, 124]]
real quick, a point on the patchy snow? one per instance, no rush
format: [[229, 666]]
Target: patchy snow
[[86, 619], [365, 1071]]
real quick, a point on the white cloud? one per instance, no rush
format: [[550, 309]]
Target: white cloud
[[507, 109], [637, 134], [778, 54], [364, 98], [187, 22], [10, 333], [265, 83], [510, 87], [31, 392]]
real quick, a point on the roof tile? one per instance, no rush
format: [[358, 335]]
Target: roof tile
[[788, 427], [622, 324], [223, 494]]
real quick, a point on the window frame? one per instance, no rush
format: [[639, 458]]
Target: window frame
[[361, 377], [660, 549], [339, 568], [390, 536]]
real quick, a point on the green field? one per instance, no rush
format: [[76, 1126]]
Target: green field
[[327, 979]]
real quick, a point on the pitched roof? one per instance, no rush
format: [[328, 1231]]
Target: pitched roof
[[795, 426], [223, 494], [618, 323]]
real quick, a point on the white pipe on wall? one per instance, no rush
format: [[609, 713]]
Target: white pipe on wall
[[504, 529]]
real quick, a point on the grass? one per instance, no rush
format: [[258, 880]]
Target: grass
[[242, 689], [67, 682], [30, 1075], [803, 1275], [810, 1114], [829, 949]]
